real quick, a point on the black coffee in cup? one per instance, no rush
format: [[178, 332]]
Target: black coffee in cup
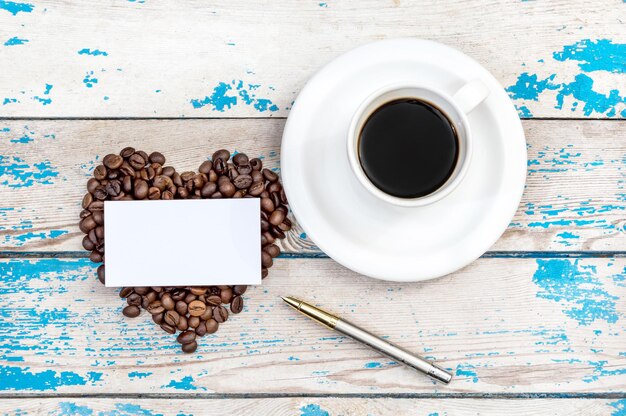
[[408, 148]]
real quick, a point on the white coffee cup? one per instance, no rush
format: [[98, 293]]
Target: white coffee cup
[[455, 107]]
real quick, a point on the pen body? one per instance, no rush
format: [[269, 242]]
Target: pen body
[[393, 351]]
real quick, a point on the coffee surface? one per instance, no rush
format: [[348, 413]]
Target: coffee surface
[[408, 148]]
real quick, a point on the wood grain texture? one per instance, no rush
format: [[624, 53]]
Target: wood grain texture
[[311, 407], [574, 198], [500, 325], [242, 58]]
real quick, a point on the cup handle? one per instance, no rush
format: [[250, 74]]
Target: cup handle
[[470, 95]]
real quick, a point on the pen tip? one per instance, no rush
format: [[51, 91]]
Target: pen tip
[[293, 302]]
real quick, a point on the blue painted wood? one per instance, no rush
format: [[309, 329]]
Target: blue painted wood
[[63, 332]]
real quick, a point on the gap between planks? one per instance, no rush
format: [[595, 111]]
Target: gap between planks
[[230, 396], [294, 255], [128, 118]]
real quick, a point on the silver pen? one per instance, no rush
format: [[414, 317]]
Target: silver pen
[[393, 351]]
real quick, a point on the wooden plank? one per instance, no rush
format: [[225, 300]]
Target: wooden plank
[[242, 58], [500, 325], [311, 407], [574, 199]]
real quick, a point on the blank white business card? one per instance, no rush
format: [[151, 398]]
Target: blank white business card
[[195, 242]]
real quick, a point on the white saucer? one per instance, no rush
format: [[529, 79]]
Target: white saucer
[[372, 237]]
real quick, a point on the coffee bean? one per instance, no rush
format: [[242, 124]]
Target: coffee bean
[[131, 311], [201, 329], [220, 314], [134, 299], [88, 244], [171, 318], [190, 348], [198, 181], [156, 307], [156, 157], [265, 226], [168, 171], [240, 159], [264, 273], [177, 180], [96, 206], [112, 161], [217, 195], [277, 232], [236, 304], [125, 292], [150, 173], [141, 189], [186, 337], [256, 188], [227, 189], [214, 300], [92, 184], [266, 259], [127, 152], [205, 167], [226, 295], [283, 197], [256, 163], [178, 294], [181, 307], [143, 290], [198, 290], [193, 322], [190, 297], [154, 193], [143, 154], [157, 318], [182, 323], [100, 172], [222, 154], [127, 184], [87, 224], [244, 169], [220, 166], [167, 196], [114, 187], [240, 289], [182, 192], [196, 308], [239, 194], [285, 225], [187, 176], [208, 314], [267, 205], [272, 250], [275, 197], [277, 217], [269, 175], [87, 199], [269, 238], [167, 302], [100, 193], [211, 326], [127, 170], [101, 273], [168, 328], [243, 181], [137, 161]]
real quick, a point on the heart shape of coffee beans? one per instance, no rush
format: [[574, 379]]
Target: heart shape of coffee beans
[[135, 175]]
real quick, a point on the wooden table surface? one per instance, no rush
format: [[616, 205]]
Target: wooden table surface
[[537, 325]]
